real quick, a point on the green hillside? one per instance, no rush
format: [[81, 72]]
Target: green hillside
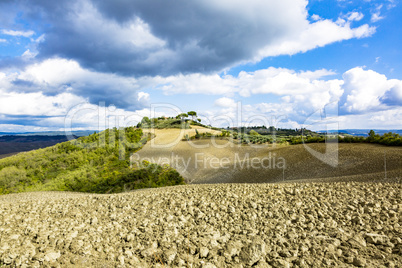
[[98, 163]]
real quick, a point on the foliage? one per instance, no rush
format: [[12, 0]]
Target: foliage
[[390, 139], [253, 133], [193, 114], [272, 131], [182, 116], [254, 139], [163, 123], [96, 163]]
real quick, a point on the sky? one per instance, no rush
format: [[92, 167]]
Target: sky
[[93, 64]]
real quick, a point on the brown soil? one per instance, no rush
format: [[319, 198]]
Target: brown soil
[[222, 161], [220, 225]]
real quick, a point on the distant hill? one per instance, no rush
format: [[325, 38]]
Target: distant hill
[[78, 133], [363, 132], [12, 144]]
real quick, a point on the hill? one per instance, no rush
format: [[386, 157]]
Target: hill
[[11, 144], [222, 161], [96, 163]]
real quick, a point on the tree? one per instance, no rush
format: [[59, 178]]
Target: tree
[[145, 121], [182, 116], [193, 114], [199, 120], [371, 136], [253, 133]]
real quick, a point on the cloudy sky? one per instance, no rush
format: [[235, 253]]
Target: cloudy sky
[[88, 64]]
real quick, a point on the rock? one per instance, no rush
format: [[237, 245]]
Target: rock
[[280, 263], [377, 239], [170, 255], [121, 259], [262, 264], [253, 252], [52, 256], [359, 261], [208, 265], [204, 252], [94, 220], [232, 249], [357, 241]]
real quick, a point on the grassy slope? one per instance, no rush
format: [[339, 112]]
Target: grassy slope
[[96, 163]]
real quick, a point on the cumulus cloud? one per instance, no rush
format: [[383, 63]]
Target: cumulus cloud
[[63, 84], [393, 96], [367, 90], [225, 102], [149, 38], [317, 34], [57, 76], [37, 104], [301, 93]]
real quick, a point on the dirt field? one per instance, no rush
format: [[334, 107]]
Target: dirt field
[[220, 225], [221, 161]]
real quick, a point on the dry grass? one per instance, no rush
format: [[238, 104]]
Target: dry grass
[[194, 160]]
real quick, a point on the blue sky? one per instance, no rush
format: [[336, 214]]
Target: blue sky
[[235, 62]]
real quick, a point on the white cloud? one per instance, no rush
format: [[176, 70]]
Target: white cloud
[[52, 87], [18, 33], [143, 96], [354, 16], [376, 15], [194, 84], [315, 17], [363, 90], [54, 76], [389, 119], [29, 54], [225, 103], [37, 104], [317, 34], [3, 40]]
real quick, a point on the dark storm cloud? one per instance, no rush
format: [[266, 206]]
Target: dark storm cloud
[[195, 36]]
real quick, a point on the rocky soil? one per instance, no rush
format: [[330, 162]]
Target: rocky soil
[[221, 225]]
